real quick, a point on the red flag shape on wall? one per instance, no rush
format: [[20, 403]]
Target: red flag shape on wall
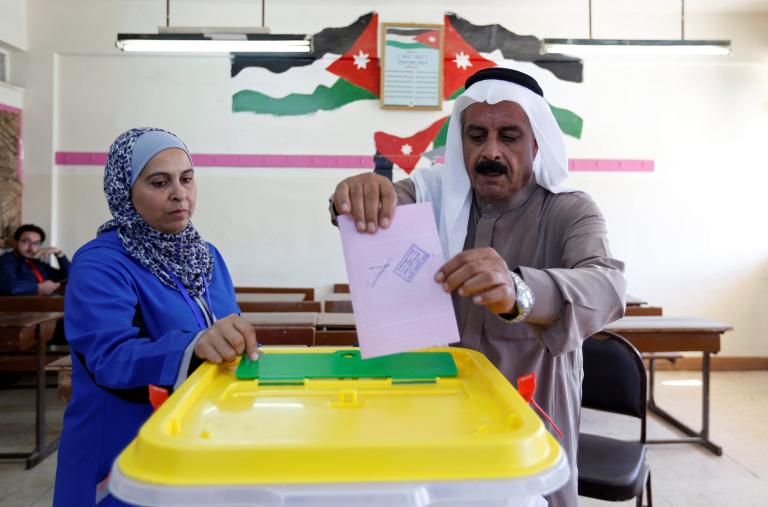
[[405, 152], [430, 38], [360, 64], [460, 60]]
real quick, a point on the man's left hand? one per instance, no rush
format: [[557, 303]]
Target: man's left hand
[[482, 274], [43, 253]]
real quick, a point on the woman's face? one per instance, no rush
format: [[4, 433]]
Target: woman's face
[[165, 193]]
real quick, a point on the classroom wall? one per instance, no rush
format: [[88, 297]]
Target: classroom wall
[[11, 96], [691, 232], [13, 23]]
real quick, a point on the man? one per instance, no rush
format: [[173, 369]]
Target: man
[[530, 272], [23, 271]]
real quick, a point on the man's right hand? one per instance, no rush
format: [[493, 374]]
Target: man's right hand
[[226, 339], [47, 288], [369, 198]]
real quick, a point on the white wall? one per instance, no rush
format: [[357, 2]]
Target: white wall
[[11, 96], [691, 232], [13, 23]]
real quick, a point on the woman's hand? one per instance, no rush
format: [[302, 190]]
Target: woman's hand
[[226, 339]]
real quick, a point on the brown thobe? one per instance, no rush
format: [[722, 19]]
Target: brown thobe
[[558, 243]]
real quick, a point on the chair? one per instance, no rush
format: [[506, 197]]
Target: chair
[[614, 381]]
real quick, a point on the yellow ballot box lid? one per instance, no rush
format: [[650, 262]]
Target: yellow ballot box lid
[[275, 426]]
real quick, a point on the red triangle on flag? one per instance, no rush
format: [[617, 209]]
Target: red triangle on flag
[[406, 151], [460, 60], [360, 64], [430, 38]]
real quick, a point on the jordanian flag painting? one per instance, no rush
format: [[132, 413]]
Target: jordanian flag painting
[[490, 46], [469, 48], [413, 38], [343, 68]]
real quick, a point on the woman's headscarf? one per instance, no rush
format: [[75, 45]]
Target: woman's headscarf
[[448, 187], [185, 254]]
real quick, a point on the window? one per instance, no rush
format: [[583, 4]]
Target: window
[[3, 66]]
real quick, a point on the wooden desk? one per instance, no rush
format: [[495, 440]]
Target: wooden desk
[[31, 303], [280, 306], [635, 301], [336, 320], [260, 297], [676, 334], [20, 331]]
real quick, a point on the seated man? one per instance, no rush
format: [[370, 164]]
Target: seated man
[[23, 271], [529, 268]]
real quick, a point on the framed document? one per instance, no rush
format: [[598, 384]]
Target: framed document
[[411, 66]]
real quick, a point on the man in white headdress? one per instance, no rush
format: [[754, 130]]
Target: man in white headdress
[[530, 271]]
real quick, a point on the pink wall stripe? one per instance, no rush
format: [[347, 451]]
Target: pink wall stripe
[[605, 165], [334, 161], [6, 107]]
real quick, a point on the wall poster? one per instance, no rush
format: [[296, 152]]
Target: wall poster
[[412, 66]]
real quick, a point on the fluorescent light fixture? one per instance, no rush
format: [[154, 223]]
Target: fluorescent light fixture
[[587, 47], [213, 43]]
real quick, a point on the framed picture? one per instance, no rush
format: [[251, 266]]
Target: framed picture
[[411, 66]]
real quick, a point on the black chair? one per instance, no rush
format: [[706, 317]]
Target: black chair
[[614, 381]]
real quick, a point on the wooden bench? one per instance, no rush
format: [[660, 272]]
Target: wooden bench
[[309, 292], [341, 288], [63, 367], [31, 303], [285, 335], [338, 303], [642, 311]]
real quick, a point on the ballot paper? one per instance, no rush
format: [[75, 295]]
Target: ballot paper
[[397, 303]]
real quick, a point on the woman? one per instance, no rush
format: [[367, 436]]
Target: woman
[[141, 309]]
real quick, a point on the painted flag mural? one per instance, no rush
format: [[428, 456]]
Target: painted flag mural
[[344, 68], [406, 151]]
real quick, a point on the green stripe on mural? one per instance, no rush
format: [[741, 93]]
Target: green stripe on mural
[[568, 121], [404, 45], [322, 99], [441, 136]]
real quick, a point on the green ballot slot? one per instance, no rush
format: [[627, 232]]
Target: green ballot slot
[[347, 364]]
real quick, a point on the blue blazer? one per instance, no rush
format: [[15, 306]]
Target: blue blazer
[[126, 330], [17, 279]]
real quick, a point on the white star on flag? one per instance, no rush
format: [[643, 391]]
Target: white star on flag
[[406, 149], [361, 59], [462, 61], [432, 38]]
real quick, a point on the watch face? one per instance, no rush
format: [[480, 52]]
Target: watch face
[[524, 295]]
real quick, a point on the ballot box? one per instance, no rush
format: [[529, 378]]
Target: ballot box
[[321, 427]]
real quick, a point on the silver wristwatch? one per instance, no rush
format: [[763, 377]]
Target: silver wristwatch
[[524, 298]]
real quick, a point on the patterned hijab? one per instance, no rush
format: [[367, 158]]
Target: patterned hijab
[[185, 254]]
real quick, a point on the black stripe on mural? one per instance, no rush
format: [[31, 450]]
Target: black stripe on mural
[[408, 32], [328, 40], [526, 48]]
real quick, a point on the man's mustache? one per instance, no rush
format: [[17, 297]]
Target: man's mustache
[[490, 168]]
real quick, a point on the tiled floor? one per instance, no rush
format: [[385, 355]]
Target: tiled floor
[[683, 475]]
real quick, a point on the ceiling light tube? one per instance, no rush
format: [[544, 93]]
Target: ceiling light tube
[[206, 44], [585, 47]]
